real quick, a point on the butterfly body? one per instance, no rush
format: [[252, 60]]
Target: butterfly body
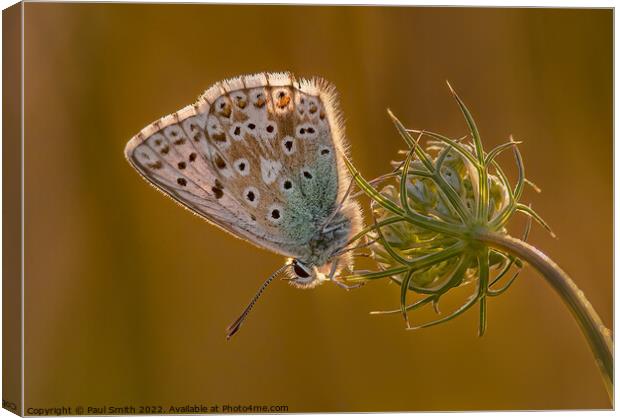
[[260, 156]]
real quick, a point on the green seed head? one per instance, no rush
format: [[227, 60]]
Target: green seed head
[[428, 211]]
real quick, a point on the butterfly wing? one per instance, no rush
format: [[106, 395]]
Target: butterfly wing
[[259, 156]]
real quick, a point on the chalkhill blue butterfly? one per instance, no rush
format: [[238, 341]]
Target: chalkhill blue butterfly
[[262, 157]]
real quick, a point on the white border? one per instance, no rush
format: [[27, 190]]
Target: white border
[[453, 3]]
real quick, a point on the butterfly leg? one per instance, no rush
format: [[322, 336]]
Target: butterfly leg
[[332, 273], [358, 247]]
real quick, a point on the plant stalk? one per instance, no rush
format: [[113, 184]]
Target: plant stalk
[[598, 336]]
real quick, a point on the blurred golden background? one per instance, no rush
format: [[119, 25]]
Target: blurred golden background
[[127, 295]]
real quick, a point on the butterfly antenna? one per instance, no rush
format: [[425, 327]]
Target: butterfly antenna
[[234, 327]]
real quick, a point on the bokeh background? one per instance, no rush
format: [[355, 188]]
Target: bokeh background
[[127, 295]]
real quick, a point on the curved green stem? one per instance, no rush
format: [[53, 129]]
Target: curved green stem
[[598, 336]]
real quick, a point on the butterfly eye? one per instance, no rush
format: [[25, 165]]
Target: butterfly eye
[[300, 271]]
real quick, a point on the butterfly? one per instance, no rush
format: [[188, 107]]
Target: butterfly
[[262, 157]]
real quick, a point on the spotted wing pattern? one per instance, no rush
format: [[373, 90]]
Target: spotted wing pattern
[[259, 156]]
